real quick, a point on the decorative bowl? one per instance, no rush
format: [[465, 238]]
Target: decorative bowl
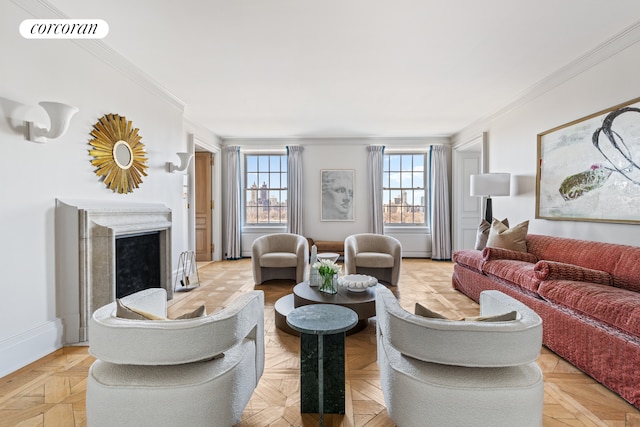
[[357, 282]]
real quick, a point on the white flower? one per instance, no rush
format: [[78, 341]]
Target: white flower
[[326, 266]]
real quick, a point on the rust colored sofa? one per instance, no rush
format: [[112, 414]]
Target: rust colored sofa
[[587, 293], [327, 246]]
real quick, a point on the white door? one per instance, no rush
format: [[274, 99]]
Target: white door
[[467, 210]]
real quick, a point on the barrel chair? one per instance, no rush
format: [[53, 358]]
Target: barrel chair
[[196, 372], [375, 255], [279, 256], [460, 373]]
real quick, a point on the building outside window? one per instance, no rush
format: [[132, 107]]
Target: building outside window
[[265, 184], [404, 191]]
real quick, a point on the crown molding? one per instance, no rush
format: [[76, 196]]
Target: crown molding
[[392, 143], [602, 52], [41, 9]]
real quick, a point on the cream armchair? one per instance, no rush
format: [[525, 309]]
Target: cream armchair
[[192, 372], [279, 256], [374, 255], [460, 373]]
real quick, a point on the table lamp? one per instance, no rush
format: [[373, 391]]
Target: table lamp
[[490, 184]]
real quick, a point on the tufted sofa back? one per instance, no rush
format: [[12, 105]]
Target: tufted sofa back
[[621, 261]]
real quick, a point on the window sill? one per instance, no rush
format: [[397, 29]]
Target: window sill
[[270, 228], [407, 229]]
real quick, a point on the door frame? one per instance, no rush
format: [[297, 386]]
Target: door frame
[[460, 183], [199, 144]]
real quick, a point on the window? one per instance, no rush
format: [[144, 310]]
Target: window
[[265, 189], [403, 194]]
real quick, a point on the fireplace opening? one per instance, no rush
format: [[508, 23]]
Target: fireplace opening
[[137, 263]]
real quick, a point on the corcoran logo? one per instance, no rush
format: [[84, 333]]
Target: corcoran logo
[[64, 28]]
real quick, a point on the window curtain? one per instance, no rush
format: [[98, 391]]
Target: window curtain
[[294, 189], [232, 208], [440, 222], [376, 168]]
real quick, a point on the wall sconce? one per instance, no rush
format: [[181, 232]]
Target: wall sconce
[[490, 184], [59, 116], [185, 159]]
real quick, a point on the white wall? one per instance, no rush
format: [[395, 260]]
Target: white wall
[[335, 155], [513, 142], [33, 175], [339, 153]]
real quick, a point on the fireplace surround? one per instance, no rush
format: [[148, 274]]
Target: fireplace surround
[[85, 235]]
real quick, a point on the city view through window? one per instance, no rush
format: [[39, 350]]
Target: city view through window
[[404, 189], [266, 189]]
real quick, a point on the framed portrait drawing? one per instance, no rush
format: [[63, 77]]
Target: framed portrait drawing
[[589, 169], [337, 195]]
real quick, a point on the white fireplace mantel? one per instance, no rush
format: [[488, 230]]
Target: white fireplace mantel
[[85, 255]]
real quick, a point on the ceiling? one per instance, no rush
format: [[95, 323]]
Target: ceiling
[[338, 68]]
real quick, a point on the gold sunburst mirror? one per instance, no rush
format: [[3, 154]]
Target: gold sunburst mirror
[[119, 156]]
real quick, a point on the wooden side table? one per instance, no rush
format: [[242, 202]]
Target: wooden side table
[[322, 330]]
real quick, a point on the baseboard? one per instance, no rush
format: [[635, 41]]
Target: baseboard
[[18, 351]]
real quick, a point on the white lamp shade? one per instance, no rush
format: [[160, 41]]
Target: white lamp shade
[[491, 184]]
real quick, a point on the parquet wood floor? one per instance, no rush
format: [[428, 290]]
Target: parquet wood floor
[[51, 391]]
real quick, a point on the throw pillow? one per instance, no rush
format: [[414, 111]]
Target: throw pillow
[[504, 317], [489, 254], [423, 311], [124, 312], [550, 270], [198, 312], [483, 233], [515, 239]]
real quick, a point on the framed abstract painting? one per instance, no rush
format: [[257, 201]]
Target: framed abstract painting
[[589, 169]]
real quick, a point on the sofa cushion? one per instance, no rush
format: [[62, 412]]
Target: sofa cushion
[[501, 236], [517, 272], [374, 260], [626, 273], [278, 260], [469, 258], [498, 253], [613, 306], [551, 270], [622, 261]]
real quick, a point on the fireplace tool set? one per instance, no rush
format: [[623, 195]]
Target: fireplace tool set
[[187, 276]]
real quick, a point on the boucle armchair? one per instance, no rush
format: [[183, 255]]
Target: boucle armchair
[[192, 372], [460, 373], [279, 256], [375, 255]]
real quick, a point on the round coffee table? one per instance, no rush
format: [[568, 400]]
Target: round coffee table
[[363, 303]]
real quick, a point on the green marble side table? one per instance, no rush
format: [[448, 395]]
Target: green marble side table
[[322, 330]]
